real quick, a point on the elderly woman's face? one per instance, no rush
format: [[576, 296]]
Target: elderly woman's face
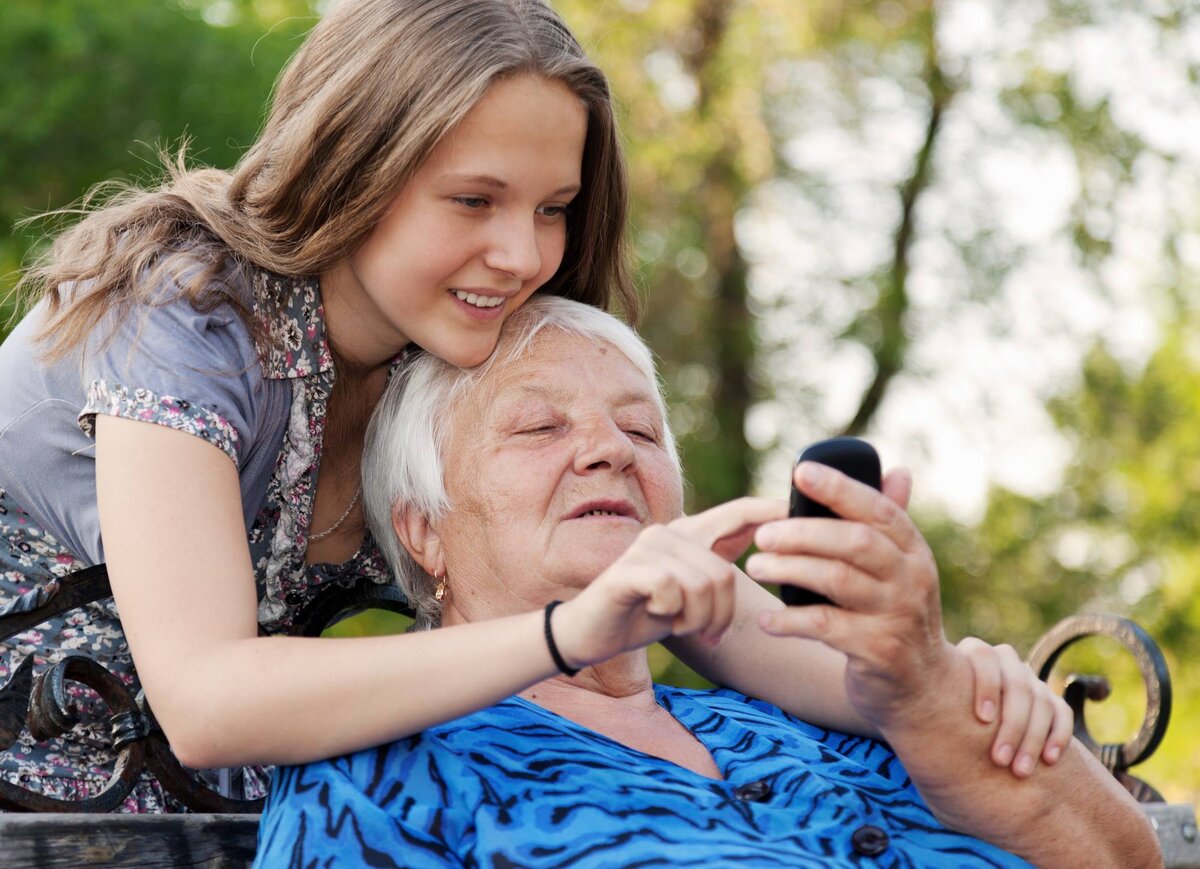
[[554, 466]]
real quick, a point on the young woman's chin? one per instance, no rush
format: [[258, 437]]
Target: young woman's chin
[[464, 354], [463, 347]]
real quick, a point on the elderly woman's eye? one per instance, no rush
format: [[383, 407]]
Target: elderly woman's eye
[[643, 434]]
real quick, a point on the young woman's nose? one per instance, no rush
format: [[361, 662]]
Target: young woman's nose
[[514, 247], [603, 446]]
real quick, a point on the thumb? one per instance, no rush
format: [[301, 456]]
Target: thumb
[[664, 597]]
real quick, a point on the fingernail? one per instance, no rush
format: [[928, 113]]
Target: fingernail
[[754, 564], [766, 622], [1053, 753], [1024, 765], [987, 710], [766, 536], [1004, 754], [811, 472]]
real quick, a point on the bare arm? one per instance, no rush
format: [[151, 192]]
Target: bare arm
[[903, 675], [807, 678], [801, 676], [184, 586], [1076, 807]]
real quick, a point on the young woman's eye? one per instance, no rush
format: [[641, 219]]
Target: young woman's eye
[[472, 202], [554, 211]]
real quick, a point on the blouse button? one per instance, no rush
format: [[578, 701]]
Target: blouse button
[[754, 792], [870, 841], [293, 598]]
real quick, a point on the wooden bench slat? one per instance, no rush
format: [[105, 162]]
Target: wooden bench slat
[[54, 841]]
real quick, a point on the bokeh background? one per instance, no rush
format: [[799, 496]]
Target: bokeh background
[[967, 230]]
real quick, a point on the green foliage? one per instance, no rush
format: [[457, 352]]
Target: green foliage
[[104, 85], [370, 623], [1122, 535]]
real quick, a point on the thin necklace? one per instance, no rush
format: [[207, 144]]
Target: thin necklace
[[338, 524]]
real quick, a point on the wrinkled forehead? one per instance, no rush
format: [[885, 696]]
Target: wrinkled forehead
[[552, 365]]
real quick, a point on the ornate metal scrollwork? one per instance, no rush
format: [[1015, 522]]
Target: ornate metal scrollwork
[[1116, 757], [42, 702], [51, 714]]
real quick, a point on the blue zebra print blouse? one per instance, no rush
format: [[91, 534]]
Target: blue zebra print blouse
[[516, 785]]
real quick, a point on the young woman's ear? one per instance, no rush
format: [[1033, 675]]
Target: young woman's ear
[[418, 536]]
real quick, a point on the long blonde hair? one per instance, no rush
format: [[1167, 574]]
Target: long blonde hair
[[367, 97]]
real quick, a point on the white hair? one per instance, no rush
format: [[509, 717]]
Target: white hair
[[402, 466]]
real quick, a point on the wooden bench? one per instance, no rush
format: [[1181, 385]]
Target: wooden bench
[[220, 833], [73, 840]]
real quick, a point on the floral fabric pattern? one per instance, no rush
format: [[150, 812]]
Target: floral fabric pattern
[[290, 313], [31, 561], [295, 349], [114, 399]]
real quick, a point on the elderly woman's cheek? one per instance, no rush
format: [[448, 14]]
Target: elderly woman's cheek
[[663, 488]]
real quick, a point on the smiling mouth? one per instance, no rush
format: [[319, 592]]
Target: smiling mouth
[[477, 300], [604, 513]]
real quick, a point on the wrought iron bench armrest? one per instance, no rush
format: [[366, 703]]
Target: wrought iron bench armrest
[[1174, 823], [41, 702]]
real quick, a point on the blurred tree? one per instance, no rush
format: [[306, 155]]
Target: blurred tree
[[706, 86], [957, 183], [1123, 535], [94, 88], [688, 74]]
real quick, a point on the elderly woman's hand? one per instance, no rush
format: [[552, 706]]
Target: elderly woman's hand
[[675, 579], [876, 566]]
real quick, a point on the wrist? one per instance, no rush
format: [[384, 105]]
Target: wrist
[[571, 632], [943, 690], [564, 665]]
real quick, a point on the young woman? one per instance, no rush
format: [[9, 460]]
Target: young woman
[[425, 167]]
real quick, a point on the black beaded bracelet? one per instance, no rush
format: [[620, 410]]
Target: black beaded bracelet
[[554, 653]]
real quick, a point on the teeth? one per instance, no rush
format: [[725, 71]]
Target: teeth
[[479, 301], [601, 513]]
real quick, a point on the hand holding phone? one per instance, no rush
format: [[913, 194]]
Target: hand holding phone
[[856, 459]]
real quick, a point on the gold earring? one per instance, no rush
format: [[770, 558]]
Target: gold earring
[[440, 592]]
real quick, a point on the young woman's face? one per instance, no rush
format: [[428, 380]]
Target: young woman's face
[[481, 225]]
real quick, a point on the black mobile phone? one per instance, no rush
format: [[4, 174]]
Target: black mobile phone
[[856, 459]]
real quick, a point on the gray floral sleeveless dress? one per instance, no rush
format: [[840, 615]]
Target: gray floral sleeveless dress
[[202, 372]]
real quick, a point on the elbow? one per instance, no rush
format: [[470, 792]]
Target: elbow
[[203, 740], [1146, 849], [199, 760], [192, 748]]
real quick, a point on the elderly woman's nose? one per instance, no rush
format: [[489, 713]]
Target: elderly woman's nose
[[604, 445]]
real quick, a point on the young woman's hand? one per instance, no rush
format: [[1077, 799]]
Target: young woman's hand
[[1034, 721], [674, 580]]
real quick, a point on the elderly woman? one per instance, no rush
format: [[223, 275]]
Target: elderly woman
[[549, 475]]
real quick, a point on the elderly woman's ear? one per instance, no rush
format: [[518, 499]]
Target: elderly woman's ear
[[418, 536]]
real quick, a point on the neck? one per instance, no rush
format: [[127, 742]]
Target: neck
[[625, 678], [358, 339]]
